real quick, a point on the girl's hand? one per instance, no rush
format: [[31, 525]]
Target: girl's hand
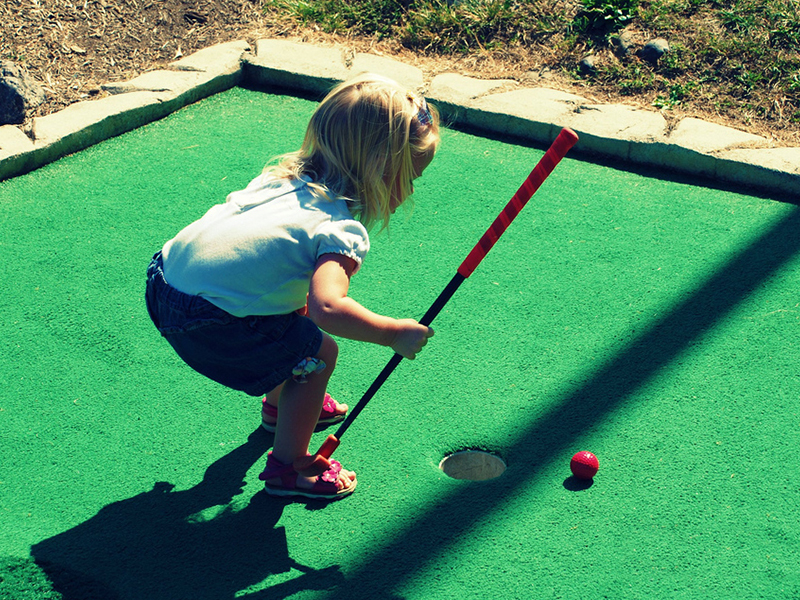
[[410, 338]]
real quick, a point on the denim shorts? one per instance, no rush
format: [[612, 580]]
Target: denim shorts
[[252, 354]]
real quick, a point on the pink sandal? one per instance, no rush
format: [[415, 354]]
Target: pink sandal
[[328, 416], [324, 487]]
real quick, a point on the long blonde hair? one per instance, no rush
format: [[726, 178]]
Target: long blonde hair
[[360, 143]]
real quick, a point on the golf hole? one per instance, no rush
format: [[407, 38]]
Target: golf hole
[[474, 465]]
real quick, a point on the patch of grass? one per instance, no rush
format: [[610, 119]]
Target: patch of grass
[[735, 57], [678, 93], [605, 16], [376, 17], [431, 25]]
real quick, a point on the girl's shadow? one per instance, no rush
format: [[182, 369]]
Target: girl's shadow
[[159, 545]]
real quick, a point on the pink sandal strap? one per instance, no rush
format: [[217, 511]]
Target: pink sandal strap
[[328, 406], [325, 486]]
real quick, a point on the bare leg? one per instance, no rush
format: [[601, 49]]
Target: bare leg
[[274, 396], [299, 408]]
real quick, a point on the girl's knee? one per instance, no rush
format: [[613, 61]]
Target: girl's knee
[[328, 351]]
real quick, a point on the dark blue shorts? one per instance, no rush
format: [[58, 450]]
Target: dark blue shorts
[[251, 354]]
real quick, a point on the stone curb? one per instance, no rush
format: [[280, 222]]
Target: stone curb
[[611, 131], [147, 98]]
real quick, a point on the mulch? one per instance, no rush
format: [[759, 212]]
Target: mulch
[[72, 48]]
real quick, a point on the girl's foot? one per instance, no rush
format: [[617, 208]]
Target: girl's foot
[[332, 412], [282, 480]]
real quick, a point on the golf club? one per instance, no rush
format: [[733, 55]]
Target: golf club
[[318, 463]]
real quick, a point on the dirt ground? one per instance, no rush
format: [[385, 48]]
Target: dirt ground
[[74, 46]]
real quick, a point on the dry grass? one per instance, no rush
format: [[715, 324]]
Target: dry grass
[[74, 47]]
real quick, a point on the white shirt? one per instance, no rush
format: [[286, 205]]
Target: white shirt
[[255, 254]]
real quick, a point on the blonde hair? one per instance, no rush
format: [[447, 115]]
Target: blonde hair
[[360, 143]]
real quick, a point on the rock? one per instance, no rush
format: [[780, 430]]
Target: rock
[[653, 50], [588, 65], [19, 93], [622, 43]]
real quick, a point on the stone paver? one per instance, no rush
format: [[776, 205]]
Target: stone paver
[[146, 98], [615, 131]]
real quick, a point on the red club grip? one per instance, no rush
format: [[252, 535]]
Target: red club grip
[[558, 149], [313, 465], [330, 444]]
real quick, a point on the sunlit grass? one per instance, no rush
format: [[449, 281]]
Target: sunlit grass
[[731, 55]]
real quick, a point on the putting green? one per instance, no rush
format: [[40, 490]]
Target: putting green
[[653, 322]]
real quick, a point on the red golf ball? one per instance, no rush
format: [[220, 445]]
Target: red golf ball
[[584, 465]]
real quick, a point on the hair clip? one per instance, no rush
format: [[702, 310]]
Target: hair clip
[[424, 115]]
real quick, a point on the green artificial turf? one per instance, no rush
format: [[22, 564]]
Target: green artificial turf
[[653, 322]]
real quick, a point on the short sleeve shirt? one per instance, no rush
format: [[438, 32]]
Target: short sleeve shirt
[[255, 254]]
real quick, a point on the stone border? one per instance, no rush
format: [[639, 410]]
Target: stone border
[[611, 131]]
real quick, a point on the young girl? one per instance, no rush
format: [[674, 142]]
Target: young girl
[[243, 293]]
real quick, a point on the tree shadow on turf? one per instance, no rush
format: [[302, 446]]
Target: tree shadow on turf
[[452, 517], [651, 171], [163, 545]]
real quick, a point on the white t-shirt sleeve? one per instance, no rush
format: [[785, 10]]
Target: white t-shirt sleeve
[[345, 237]]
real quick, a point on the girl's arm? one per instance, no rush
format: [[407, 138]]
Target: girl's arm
[[332, 310]]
